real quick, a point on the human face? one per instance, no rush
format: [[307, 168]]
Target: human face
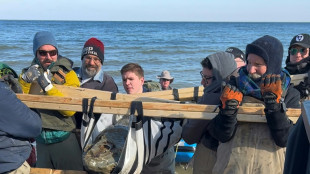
[[297, 53], [132, 83], [206, 77], [91, 65], [45, 56], [164, 83], [239, 62], [256, 66]]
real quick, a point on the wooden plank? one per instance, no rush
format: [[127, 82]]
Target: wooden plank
[[296, 79], [185, 94], [54, 171], [153, 109]]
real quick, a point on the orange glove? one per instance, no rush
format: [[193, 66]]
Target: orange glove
[[271, 89], [231, 98]]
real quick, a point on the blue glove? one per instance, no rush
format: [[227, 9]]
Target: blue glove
[[31, 74], [44, 81]]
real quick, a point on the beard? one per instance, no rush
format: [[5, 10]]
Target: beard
[[90, 71], [255, 77]]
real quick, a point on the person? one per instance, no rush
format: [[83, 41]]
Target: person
[[249, 147], [133, 79], [297, 151], [165, 80], [91, 75], [216, 68], [57, 146], [298, 62], [239, 56], [18, 125]]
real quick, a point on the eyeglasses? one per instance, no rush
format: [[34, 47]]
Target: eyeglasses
[[294, 51], [205, 77], [165, 80], [44, 53], [95, 59]]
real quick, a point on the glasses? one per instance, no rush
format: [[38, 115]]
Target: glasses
[[294, 51], [44, 53], [95, 59], [205, 77], [165, 80]]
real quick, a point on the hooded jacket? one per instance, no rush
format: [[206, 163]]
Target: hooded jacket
[[17, 125], [223, 65]]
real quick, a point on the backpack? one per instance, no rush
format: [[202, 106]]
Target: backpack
[[152, 86]]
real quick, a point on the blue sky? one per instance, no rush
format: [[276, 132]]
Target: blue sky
[[158, 10]]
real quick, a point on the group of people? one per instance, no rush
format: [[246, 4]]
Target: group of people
[[230, 79]]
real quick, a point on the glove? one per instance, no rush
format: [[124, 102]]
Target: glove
[[31, 74], [231, 98], [13, 83], [44, 81], [303, 88], [271, 90]]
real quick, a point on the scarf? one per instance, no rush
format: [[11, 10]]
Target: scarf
[[248, 87]]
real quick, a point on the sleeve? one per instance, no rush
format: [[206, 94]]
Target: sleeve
[[278, 122], [222, 127], [24, 85], [71, 80], [193, 130], [16, 118], [297, 150], [111, 85]]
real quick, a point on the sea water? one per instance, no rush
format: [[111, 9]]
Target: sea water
[[177, 47]]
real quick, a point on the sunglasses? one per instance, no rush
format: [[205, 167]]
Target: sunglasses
[[205, 77], [165, 80], [294, 51], [44, 53]]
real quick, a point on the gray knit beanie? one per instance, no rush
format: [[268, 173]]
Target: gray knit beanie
[[43, 38]]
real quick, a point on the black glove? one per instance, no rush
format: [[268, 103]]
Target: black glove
[[231, 98], [13, 83], [31, 74], [44, 81], [271, 89], [303, 88]]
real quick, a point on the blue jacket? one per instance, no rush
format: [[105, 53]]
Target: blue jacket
[[18, 124]]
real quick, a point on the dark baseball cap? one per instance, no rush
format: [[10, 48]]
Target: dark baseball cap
[[236, 52], [301, 40]]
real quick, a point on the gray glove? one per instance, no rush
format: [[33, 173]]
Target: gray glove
[[31, 74], [44, 81], [13, 83]]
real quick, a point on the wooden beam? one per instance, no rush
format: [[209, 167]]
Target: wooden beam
[[54, 171], [185, 94], [296, 79], [153, 109]]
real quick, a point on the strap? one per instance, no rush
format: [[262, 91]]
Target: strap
[[176, 94], [113, 96], [92, 117], [136, 106], [196, 90], [84, 110]]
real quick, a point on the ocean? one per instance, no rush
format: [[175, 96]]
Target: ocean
[[156, 46]]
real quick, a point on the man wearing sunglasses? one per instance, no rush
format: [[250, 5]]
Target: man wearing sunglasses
[[165, 80], [298, 62], [57, 146]]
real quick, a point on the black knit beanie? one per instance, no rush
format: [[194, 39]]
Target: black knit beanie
[[270, 49]]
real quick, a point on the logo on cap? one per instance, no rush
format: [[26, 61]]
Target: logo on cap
[[299, 38]]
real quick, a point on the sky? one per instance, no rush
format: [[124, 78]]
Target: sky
[[158, 10]]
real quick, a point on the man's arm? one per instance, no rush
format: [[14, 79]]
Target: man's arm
[[16, 118]]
